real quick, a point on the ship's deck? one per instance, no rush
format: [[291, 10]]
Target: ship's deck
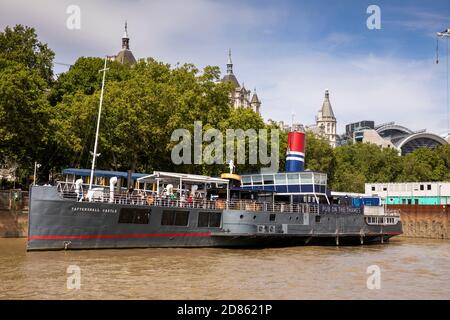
[[151, 198]]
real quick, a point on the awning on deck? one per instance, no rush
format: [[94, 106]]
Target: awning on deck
[[102, 173], [176, 177]]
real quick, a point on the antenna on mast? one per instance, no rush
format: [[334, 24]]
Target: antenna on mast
[[445, 33], [94, 154]]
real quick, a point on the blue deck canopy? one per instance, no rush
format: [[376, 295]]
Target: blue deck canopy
[[102, 173]]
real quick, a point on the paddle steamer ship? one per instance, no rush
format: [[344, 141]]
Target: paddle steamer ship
[[166, 209], [92, 209]]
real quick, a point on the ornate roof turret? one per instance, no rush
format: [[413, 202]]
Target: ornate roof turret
[[255, 98], [327, 111], [125, 56], [240, 97], [230, 76]]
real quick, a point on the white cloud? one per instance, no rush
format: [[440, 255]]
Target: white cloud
[[175, 30], [361, 88]]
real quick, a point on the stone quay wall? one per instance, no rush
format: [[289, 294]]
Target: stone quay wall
[[13, 213], [424, 221]]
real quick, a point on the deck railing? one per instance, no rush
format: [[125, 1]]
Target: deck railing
[[150, 198]]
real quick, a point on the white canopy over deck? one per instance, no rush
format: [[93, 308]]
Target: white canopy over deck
[[175, 177], [164, 178]]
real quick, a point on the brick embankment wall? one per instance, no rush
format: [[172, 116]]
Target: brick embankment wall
[[13, 214], [424, 221]]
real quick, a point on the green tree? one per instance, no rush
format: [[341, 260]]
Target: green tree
[[443, 152], [25, 76], [84, 76], [367, 162], [20, 44], [425, 164], [141, 109], [319, 155]]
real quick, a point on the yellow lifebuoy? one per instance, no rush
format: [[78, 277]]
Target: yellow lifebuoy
[[150, 200]]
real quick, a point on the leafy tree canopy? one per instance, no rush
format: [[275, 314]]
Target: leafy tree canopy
[[20, 44]]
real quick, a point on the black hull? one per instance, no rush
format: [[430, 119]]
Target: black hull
[[57, 224], [219, 242]]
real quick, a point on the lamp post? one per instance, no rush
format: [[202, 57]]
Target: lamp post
[[36, 166]]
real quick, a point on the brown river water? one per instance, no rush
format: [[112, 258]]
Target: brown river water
[[409, 269]]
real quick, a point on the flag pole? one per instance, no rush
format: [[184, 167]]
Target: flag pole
[[94, 155]]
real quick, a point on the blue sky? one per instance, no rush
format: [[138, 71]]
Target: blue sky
[[291, 51]]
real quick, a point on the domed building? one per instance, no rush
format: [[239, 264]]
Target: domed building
[[392, 135]]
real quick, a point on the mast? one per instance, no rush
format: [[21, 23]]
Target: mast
[[94, 155], [445, 34]]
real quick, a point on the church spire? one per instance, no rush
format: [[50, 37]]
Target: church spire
[[229, 63], [125, 38], [327, 110]]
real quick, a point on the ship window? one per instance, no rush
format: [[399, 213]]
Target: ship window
[[293, 178], [181, 218], [133, 215], [373, 188], [174, 218], [203, 218], [422, 187], [168, 218], [209, 219], [428, 186], [268, 179], [272, 217], [246, 180], [306, 178], [257, 179], [280, 179], [214, 219]]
